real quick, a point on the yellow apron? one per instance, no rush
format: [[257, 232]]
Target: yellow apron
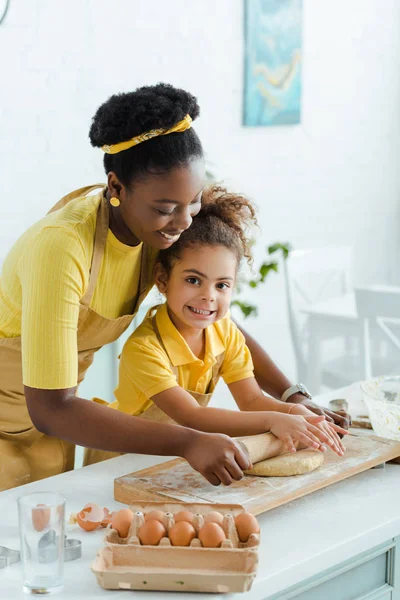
[[27, 455], [155, 414]]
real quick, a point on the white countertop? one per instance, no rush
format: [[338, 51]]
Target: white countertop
[[298, 540]]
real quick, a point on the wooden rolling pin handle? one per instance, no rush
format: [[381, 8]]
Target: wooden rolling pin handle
[[261, 446]]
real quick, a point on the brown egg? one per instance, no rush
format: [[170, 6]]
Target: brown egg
[[151, 533], [214, 517], [246, 524], [40, 517], [155, 514], [121, 521], [184, 515], [182, 533], [211, 535]]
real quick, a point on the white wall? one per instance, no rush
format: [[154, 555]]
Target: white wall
[[332, 180]]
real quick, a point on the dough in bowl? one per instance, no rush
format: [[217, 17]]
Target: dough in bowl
[[286, 465]]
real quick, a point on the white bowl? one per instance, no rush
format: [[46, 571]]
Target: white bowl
[[382, 397]]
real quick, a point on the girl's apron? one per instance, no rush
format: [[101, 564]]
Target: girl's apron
[[155, 414], [26, 454]]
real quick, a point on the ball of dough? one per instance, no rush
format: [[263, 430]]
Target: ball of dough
[[286, 465]]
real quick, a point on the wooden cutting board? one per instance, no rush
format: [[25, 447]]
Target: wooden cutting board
[[175, 480]]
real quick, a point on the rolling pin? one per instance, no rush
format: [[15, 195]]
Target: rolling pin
[[261, 446]]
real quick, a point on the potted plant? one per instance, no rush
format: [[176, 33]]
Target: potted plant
[[262, 273]]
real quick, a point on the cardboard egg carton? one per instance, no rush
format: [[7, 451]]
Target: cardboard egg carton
[[126, 564]]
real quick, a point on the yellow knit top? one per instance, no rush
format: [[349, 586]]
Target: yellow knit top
[[43, 279]]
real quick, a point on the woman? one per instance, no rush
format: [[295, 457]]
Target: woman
[[74, 281]]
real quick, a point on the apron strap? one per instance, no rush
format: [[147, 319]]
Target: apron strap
[[84, 191], [157, 332], [102, 225], [143, 277], [100, 234], [100, 238], [215, 372]]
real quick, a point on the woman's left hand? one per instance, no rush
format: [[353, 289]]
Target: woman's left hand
[[330, 429], [340, 418]]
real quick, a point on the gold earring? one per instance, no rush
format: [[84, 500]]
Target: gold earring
[[115, 201]]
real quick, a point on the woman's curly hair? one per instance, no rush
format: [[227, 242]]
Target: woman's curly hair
[[126, 115], [223, 220]]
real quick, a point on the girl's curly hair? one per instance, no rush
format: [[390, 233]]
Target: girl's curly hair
[[223, 220]]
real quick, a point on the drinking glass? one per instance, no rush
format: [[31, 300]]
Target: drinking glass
[[41, 526]]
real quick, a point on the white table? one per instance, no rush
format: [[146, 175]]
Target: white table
[[299, 540]]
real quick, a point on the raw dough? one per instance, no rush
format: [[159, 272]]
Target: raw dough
[[285, 465]]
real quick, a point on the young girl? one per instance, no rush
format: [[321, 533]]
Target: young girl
[[170, 365]]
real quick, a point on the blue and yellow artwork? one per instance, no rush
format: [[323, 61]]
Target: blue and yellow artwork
[[273, 35]]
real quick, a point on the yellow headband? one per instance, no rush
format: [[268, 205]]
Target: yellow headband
[[186, 123]]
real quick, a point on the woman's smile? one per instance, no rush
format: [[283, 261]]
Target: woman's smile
[[171, 238]]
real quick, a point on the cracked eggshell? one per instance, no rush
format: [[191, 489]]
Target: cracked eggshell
[[90, 517]]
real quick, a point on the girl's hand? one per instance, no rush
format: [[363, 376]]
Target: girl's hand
[[330, 429], [293, 428]]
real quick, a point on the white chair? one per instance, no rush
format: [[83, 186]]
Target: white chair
[[379, 306], [322, 312]]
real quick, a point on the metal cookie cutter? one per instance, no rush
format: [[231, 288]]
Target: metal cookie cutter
[[8, 557], [48, 548], [339, 404]]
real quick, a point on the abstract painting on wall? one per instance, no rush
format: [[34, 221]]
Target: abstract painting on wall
[[273, 36]]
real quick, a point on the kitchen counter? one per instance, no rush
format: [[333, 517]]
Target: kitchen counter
[[346, 532]]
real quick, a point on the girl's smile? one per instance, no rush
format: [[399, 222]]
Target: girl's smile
[[201, 313]]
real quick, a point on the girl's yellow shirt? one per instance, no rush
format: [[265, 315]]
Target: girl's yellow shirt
[[145, 367], [43, 279]]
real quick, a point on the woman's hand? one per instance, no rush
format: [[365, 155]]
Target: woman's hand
[[293, 428], [340, 418], [217, 457], [328, 427]]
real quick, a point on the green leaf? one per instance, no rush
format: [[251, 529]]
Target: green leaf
[[284, 248], [266, 268], [247, 309]]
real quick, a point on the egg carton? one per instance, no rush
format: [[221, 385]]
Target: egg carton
[[124, 563]]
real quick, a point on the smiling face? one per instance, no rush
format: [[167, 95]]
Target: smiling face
[[199, 287], [156, 210]]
